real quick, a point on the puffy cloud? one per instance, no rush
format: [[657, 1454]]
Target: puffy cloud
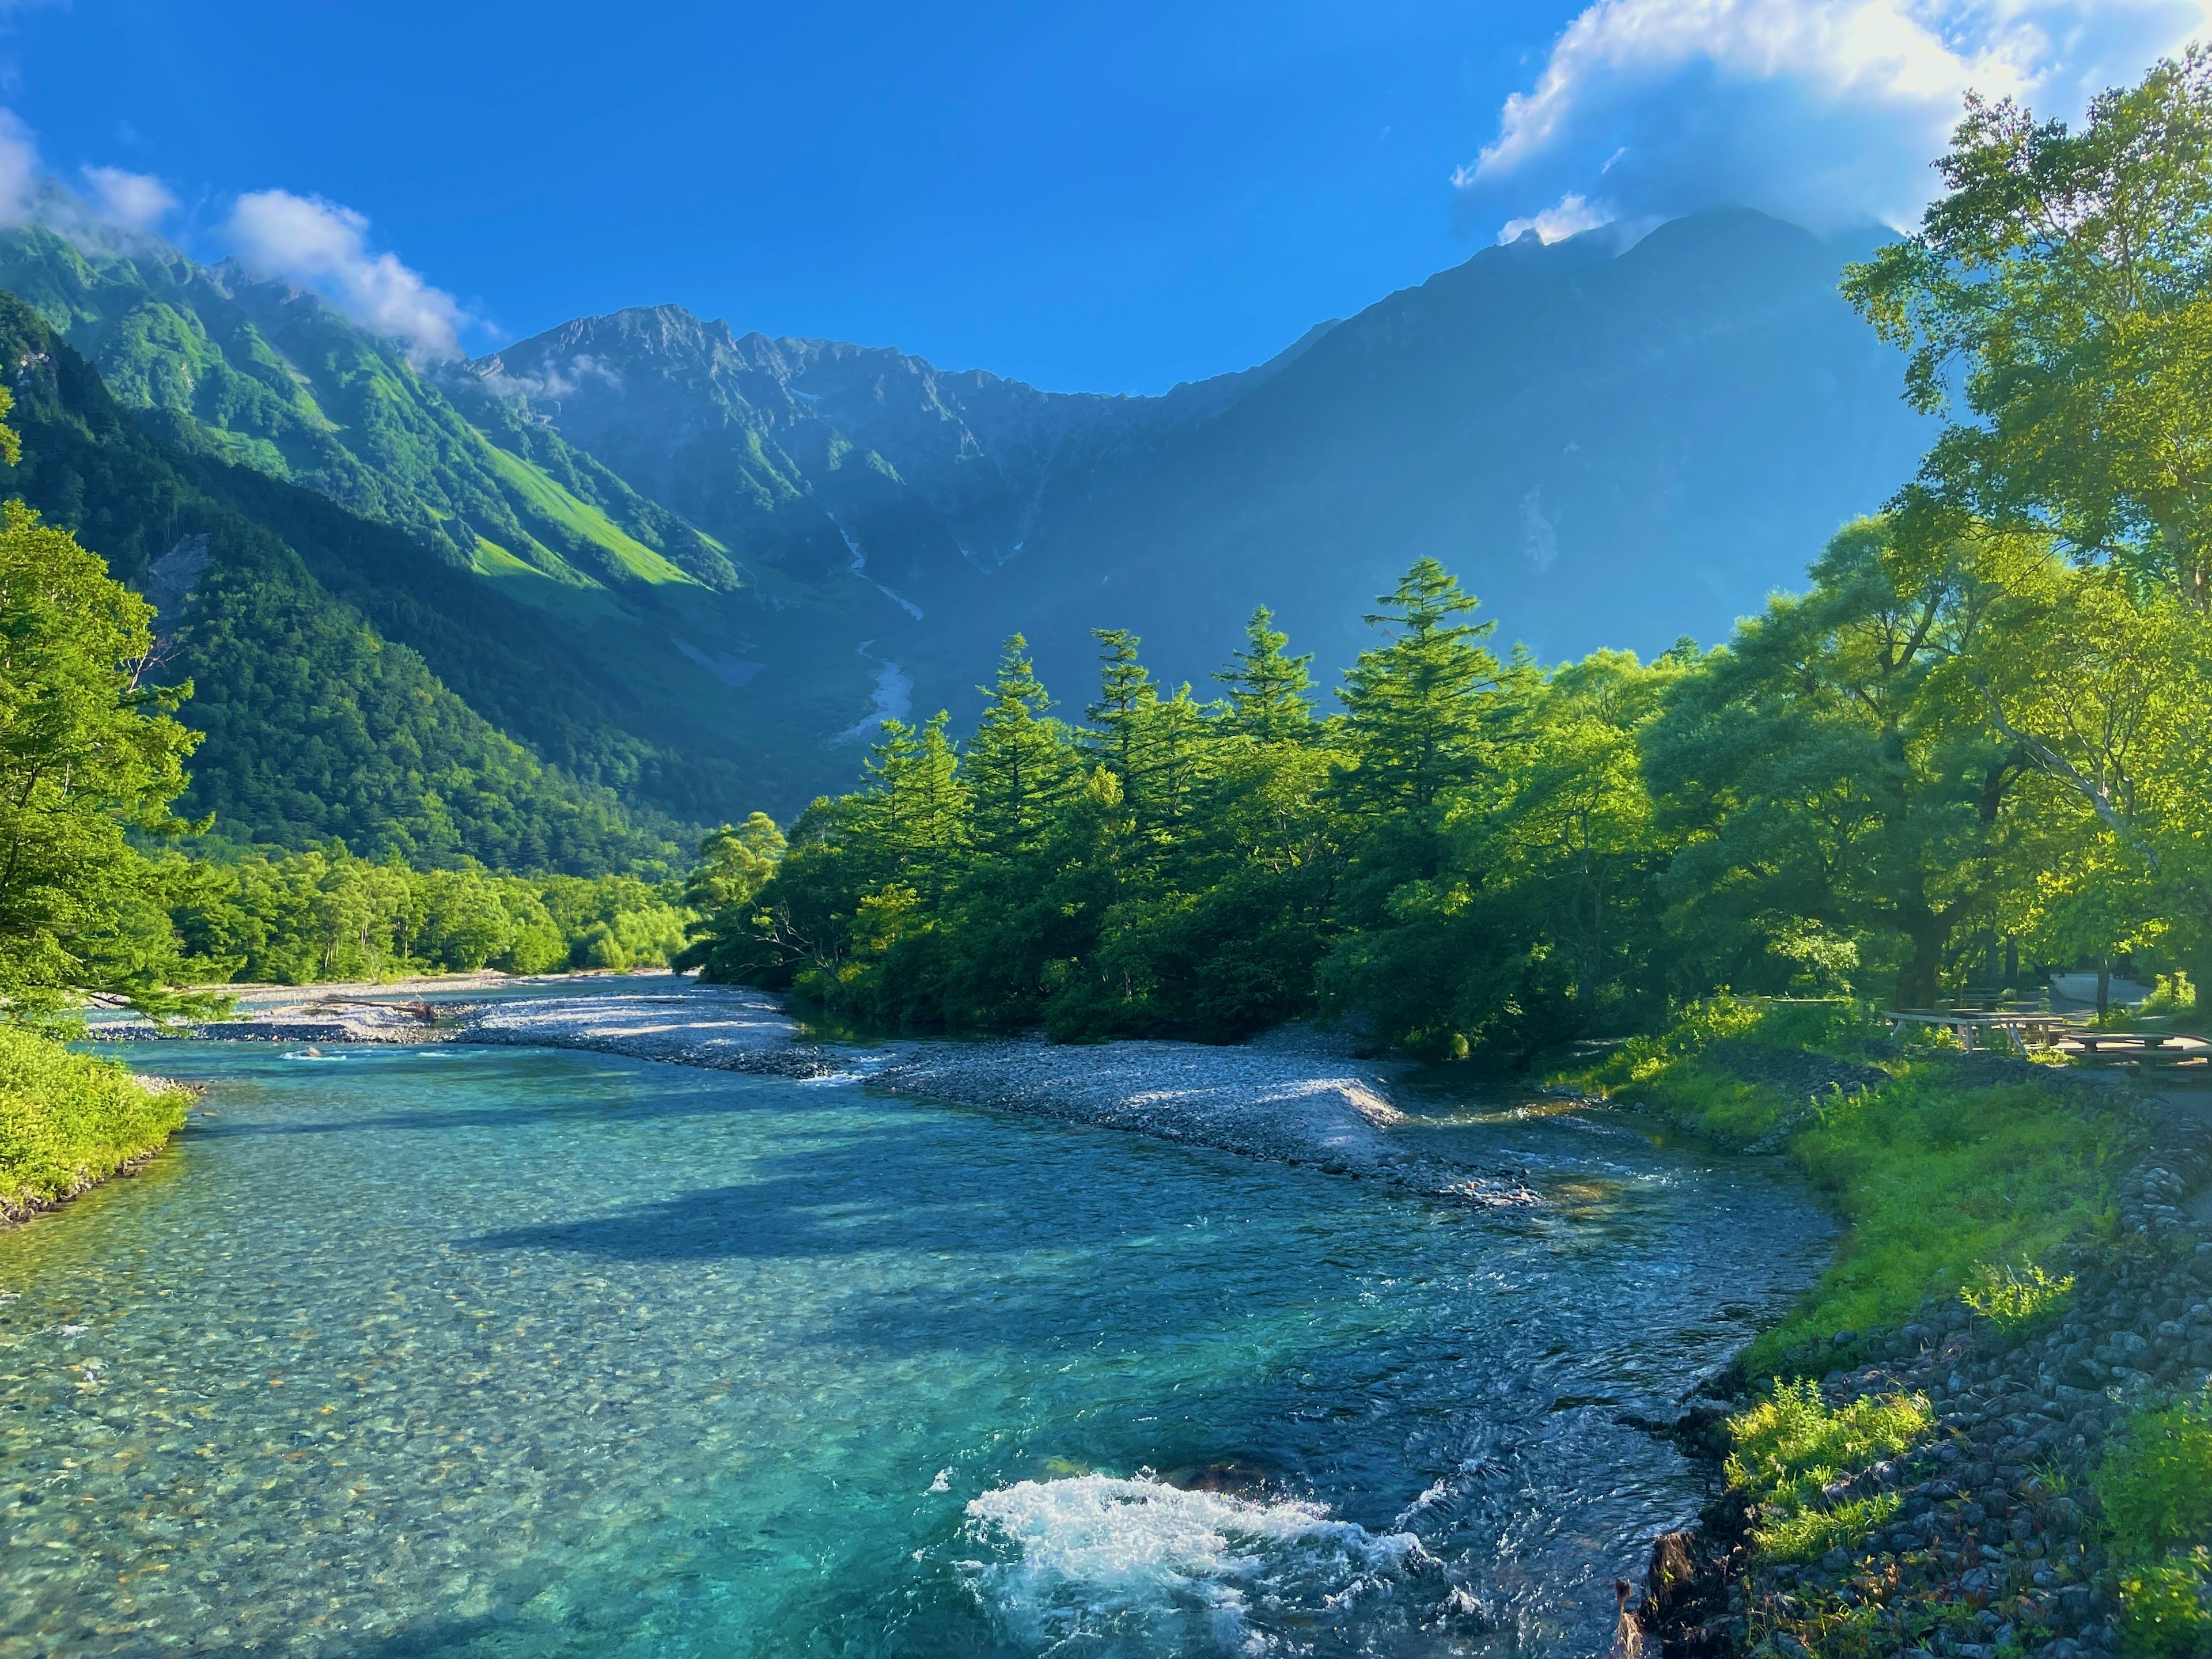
[[324, 246], [1828, 111], [134, 200]]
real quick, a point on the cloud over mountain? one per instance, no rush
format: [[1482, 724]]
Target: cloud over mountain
[[132, 199], [1826, 111], [323, 246]]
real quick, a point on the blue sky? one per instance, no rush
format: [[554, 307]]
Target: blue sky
[[1084, 196]]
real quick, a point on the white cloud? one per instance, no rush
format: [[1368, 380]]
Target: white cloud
[[324, 246], [135, 200], [1824, 110], [1570, 215], [551, 379], [19, 169]]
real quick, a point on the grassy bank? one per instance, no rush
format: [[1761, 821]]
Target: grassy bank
[[68, 1121], [1953, 1172], [1983, 1432]]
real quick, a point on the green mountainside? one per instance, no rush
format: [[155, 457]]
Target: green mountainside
[[284, 385], [318, 725], [1618, 443], [596, 625]]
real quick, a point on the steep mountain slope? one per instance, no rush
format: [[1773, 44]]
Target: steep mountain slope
[[736, 553], [316, 726], [817, 457], [1610, 447]]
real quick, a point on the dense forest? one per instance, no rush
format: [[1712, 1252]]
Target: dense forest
[[1972, 746]]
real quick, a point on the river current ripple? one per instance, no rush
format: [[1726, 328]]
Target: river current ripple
[[516, 1352]]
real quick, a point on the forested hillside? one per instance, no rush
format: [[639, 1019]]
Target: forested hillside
[[318, 725]]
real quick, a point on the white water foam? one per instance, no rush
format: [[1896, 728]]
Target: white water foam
[[1101, 1566]]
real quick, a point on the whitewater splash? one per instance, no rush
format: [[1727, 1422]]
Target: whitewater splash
[[1105, 1566]]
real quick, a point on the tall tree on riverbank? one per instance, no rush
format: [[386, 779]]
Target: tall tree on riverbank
[[86, 751]]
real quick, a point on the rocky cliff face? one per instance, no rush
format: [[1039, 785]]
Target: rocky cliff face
[[817, 456]]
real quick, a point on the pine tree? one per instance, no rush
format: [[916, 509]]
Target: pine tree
[[1018, 766], [1422, 706], [1267, 687], [1121, 718]]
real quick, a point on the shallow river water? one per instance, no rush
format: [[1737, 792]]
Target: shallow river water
[[522, 1353]]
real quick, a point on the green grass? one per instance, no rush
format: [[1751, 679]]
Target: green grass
[[583, 520], [2155, 1486], [69, 1120], [1936, 1180], [1792, 1443]]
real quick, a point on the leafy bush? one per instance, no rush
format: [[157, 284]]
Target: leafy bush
[[1809, 1534], [2165, 1616], [2172, 994], [67, 1120], [2155, 1486], [2018, 1303]]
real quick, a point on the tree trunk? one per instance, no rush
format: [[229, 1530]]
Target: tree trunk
[[1920, 978]]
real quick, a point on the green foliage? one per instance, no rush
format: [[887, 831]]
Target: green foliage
[[1937, 1178], [2019, 1302], [2173, 993], [1792, 1444], [323, 915], [86, 752], [2155, 1484], [1806, 1534], [67, 1120]]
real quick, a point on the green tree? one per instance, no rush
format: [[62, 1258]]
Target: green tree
[[1423, 709], [87, 750], [2056, 289], [1018, 764], [1268, 699], [1823, 770]]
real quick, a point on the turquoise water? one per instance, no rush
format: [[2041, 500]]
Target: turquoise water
[[517, 1352]]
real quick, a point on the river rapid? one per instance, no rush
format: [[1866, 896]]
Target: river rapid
[[513, 1351]]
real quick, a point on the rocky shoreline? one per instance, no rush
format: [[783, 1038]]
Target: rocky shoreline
[[1992, 1549]]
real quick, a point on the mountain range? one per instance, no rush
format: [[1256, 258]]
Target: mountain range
[[682, 571]]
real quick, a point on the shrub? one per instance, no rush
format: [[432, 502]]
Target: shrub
[[1792, 1443], [2162, 1604], [2018, 1303], [69, 1120], [2156, 1489], [1809, 1534]]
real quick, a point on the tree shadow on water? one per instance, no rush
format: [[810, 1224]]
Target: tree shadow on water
[[780, 1218]]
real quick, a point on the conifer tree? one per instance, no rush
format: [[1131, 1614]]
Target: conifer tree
[[1421, 706], [917, 815], [1120, 719], [1267, 687], [1018, 765]]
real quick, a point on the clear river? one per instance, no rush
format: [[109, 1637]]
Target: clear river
[[526, 1353]]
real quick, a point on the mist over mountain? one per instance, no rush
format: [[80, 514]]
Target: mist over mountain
[[747, 550]]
